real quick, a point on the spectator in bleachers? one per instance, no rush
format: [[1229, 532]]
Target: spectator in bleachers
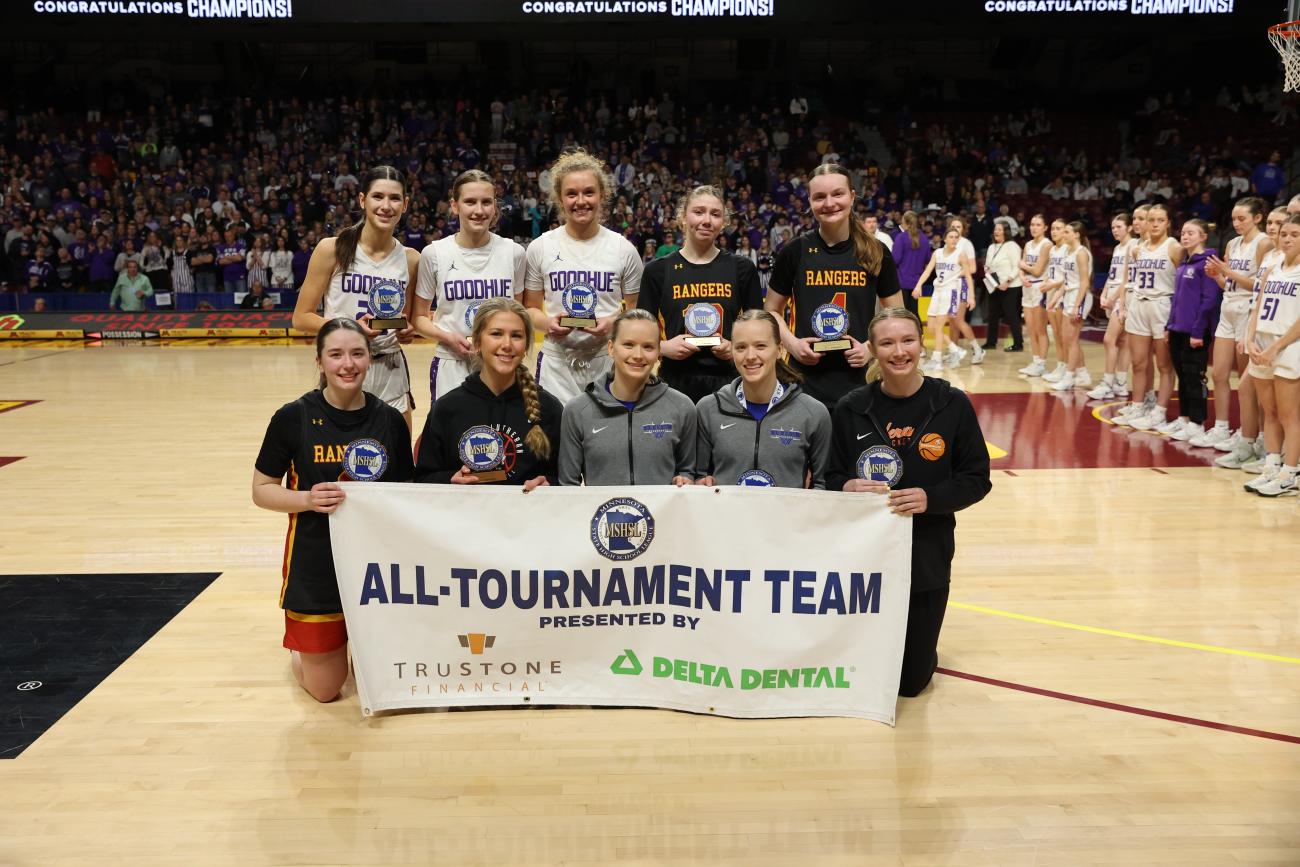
[[131, 289]]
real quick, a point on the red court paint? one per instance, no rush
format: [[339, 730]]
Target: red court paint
[[1125, 708], [5, 461], [1042, 431]]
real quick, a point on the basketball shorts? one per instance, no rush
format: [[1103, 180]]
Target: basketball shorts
[[1077, 302], [1234, 316], [444, 375], [1148, 317], [1286, 365], [389, 379], [944, 302], [1033, 295], [314, 633], [564, 375]]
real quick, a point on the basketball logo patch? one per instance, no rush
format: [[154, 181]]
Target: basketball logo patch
[[932, 447]]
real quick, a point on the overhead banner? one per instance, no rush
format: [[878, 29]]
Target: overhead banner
[[744, 602]]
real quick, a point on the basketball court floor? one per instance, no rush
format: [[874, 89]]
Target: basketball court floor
[[1120, 665]]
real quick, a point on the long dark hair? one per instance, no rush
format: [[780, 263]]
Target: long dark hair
[[345, 243], [866, 249], [341, 323]]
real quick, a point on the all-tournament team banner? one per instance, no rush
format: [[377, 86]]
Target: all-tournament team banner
[[737, 601]]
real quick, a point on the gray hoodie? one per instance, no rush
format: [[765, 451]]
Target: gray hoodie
[[794, 436], [604, 443]]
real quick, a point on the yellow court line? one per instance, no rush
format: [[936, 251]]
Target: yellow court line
[[1191, 645]]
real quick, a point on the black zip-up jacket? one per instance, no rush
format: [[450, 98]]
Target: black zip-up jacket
[[473, 404], [955, 480]]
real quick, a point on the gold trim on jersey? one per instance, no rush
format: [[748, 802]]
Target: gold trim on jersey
[[313, 618], [292, 483]]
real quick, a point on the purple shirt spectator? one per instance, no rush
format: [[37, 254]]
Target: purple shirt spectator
[[911, 262]]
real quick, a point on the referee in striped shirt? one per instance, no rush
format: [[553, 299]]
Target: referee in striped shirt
[[179, 261]]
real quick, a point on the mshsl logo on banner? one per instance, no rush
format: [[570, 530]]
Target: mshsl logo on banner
[[714, 600]]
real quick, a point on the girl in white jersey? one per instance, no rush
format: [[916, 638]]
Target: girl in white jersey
[[570, 266], [949, 267], [958, 325], [1033, 269], [360, 274], [1075, 301], [1112, 301], [1246, 450], [1053, 286], [460, 272], [1156, 264], [1273, 340], [1235, 273]]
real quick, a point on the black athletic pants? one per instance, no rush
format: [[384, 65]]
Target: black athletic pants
[[1189, 364], [1004, 307], [921, 647]]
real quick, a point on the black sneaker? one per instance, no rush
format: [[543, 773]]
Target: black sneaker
[[989, 346], [1014, 347]]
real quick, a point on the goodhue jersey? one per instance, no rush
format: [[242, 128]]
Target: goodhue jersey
[[1280, 306], [1034, 253], [349, 294], [947, 270], [1271, 260], [458, 279], [672, 284], [813, 273], [608, 263], [305, 443], [1154, 271], [1241, 258], [1119, 259], [1056, 262], [1070, 267]]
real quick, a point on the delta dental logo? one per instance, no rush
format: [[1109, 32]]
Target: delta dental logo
[[720, 677]]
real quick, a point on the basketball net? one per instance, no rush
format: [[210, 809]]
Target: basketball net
[[1286, 39]]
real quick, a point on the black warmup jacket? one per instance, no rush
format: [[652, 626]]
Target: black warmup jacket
[[473, 404], [954, 480]]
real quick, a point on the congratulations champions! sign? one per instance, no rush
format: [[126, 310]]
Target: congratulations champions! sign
[[727, 600]]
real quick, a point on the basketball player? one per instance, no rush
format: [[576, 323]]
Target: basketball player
[[336, 428], [1054, 282], [459, 272], [916, 440], [695, 289], [1235, 273], [348, 270], [1156, 262], [576, 263], [950, 268], [832, 274], [497, 419], [1112, 301], [1033, 267], [1272, 338], [760, 429], [629, 428], [1074, 300], [961, 330]]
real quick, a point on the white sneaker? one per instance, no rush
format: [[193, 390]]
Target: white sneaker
[[959, 352], [1170, 428], [951, 359], [1082, 378], [1121, 389], [1268, 475], [1065, 383], [1056, 374], [1211, 437], [977, 354], [934, 365], [1129, 414], [1231, 443], [1280, 485], [1260, 448], [1034, 368], [1148, 421], [1188, 432], [1101, 391], [1254, 467], [1237, 458]]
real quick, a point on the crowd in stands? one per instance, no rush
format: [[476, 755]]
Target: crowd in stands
[[231, 196]]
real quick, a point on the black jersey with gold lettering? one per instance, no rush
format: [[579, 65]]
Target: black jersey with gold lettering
[[305, 443], [672, 285]]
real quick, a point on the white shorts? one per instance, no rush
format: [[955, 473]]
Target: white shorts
[[389, 379], [565, 376], [444, 375], [1286, 365], [1032, 296], [1148, 317], [1234, 316], [1073, 306], [944, 302]]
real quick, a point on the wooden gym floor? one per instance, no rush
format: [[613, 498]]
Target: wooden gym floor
[[1121, 661]]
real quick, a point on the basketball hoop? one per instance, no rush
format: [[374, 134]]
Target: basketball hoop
[[1286, 39]]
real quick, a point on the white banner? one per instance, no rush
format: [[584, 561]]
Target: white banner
[[745, 602]]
